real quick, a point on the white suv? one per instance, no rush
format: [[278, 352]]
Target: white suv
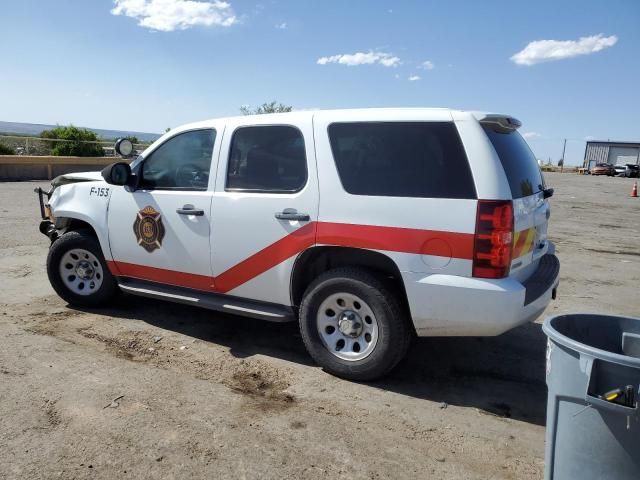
[[365, 226]]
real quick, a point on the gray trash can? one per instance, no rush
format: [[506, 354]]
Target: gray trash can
[[593, 376]]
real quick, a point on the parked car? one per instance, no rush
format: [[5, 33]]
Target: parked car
[[620, 170], [347, 222], [632, 170], [603, 169]]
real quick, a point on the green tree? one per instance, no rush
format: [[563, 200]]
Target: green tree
[[6, 150], [133, 139], [273, 107], [78, 144]]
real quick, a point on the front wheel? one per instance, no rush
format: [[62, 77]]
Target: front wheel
[[78, 272], [353, 325]]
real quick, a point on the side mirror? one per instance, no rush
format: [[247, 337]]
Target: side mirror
[[117, 173], [123, 147]]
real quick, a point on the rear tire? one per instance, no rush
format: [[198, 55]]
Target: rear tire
[[353, 325], [78, 271]]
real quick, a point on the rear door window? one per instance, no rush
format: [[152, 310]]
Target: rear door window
[[401, 159], [269, 159], [518, 161]]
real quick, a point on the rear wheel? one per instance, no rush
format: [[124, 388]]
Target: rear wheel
[[78, 272], [353, 325]]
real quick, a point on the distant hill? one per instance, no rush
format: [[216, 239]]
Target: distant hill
[[34, 129]]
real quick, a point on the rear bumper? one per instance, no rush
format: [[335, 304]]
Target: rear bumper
[[448, 305]]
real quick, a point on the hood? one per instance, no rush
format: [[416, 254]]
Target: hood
[[75, 178]]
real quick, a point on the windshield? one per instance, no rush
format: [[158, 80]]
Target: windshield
[[518, 161]]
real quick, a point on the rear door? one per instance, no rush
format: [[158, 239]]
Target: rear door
[[265, 205], [531, 210]]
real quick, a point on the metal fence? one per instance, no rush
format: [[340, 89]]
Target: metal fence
[[30, 146]]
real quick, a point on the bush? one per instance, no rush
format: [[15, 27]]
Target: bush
[[77, 145], [6, 150]]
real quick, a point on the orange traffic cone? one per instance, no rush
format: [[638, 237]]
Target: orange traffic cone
[[634, 190]]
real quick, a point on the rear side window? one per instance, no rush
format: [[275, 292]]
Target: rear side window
[[268, 159], [401, 159], [518, 161]]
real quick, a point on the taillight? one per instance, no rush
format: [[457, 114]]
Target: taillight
[[493, 241]]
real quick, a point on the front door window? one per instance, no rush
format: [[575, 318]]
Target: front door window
[[181, 163]]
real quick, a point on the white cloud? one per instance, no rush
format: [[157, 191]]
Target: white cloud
[[414, 78], [548, 50], [170, 15], [427, 65], [531, 135], [282, 26], [361, 58]]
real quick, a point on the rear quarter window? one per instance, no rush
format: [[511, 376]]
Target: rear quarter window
[[401, 159], [519, 162]]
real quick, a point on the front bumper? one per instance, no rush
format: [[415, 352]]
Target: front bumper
[[45, 212], [448, 305], [47, 227]]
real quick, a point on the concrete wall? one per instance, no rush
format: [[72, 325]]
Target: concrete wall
[[19, 167]]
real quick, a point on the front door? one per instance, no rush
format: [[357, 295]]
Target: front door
[[265, 207], [161, 231]]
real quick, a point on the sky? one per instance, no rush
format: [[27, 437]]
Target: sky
[[566, 69]]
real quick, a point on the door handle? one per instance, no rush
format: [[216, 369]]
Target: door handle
[[190, 210], [292, 215]]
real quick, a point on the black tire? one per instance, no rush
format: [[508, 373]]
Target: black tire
[[394, 333], [85, 240]]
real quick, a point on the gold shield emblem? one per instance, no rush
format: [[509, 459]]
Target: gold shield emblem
[[149, 229]]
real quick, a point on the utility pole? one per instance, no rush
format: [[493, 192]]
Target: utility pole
[[564, 147]]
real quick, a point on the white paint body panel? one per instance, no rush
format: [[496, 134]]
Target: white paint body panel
[[185, 247], [75, 201]]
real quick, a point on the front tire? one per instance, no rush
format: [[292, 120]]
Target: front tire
[[78, 271], [353, 325]]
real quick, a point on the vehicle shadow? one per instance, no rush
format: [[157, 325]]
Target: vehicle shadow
[[502, 376]]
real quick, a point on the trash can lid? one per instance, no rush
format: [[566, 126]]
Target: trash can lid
[[597, 335]]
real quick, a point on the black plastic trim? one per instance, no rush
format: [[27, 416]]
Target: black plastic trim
[[545, 277]]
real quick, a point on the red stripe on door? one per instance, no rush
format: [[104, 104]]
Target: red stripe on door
[[407, 240], [267, 258]]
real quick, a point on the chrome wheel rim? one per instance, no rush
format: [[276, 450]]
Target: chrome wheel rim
[[347, 326], [81, 271]]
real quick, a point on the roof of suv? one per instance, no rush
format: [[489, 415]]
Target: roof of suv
[[365, 114]]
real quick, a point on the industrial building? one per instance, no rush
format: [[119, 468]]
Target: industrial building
[[613, 153]]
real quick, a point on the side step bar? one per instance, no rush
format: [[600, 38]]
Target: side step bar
[[212, 301]]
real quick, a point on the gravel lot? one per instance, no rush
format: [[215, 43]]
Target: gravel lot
[[150, 389]]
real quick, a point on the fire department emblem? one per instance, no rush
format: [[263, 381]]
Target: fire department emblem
[[148, 229]]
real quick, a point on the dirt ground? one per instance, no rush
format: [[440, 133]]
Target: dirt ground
[[150, 389]]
